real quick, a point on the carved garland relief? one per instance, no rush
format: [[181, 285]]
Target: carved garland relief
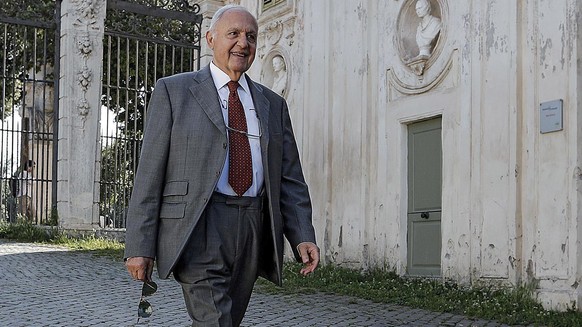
[[276, 33], [86, 11]]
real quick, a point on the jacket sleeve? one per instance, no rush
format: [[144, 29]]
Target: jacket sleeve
[[144, 206], [295, 202]]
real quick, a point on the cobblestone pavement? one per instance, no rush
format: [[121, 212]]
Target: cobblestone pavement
[[45, 285]]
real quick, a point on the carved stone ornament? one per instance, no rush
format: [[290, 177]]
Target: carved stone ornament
[[420, 39], [275, 72], [273, 32], [84, 77], [421, 28], [85, 45], [276, 33], [87, 11], [83, 107], [86, 17], [417, 65]]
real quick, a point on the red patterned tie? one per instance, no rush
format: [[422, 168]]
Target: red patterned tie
[[240, 164]]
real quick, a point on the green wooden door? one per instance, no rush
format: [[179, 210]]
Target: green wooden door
[[424, 198]]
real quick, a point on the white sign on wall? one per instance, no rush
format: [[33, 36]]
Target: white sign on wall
[[551, 116]]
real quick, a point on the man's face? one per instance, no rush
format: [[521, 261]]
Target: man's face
[[234, 42]]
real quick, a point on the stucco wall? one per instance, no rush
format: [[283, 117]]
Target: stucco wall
[[510, 194], [549, 163]]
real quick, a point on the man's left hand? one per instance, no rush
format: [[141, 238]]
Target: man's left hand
[[309, 253]]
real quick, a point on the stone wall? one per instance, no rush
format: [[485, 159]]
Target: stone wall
[[510, 202]]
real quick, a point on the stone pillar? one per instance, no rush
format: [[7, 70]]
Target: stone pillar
[[207, 10], [82, 30]]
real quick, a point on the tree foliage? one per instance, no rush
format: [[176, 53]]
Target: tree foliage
[[138, 50]]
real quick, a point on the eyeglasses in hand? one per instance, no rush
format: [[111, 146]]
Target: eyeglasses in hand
[[145, 309]]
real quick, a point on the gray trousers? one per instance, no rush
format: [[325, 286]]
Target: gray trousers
[[218, 268]]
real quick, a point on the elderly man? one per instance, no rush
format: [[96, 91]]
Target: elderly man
[[219, 181]]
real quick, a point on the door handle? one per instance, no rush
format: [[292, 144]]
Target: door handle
[[425, 215]]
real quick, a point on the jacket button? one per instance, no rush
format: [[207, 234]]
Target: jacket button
[[224, 145]]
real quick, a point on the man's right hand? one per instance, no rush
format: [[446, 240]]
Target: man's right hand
[[140, 268]]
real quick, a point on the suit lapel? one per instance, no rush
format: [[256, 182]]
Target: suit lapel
[[204, 91], [262, 105]]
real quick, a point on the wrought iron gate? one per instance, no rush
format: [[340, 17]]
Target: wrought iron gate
[[29, 38], [144, 40]]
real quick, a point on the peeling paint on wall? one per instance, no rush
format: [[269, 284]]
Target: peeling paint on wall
[[546, 46]]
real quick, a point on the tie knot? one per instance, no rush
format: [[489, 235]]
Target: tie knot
[[232, 86]]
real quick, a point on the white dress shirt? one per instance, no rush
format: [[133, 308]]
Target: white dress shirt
[[221, 80]]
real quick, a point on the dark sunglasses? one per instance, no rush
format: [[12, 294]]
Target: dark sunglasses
[[145, 309]]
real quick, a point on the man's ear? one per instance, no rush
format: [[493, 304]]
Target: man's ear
[[210, 40]]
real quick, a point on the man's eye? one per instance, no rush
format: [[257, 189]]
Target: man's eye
[[252, 38]]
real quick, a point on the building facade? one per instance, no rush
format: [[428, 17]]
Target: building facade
[[441, 141], [438, 137]]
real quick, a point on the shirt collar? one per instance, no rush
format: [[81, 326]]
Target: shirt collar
[[220, 78]]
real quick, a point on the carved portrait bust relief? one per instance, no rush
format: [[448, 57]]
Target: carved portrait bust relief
[[428, 29], [420, 27], [275, 73], [428, 59], [280, 75]]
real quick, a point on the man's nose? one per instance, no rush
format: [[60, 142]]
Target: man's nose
[[242, 41]]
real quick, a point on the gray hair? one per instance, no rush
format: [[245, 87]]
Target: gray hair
[[218, 14]]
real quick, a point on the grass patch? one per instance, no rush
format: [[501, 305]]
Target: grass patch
[[95, 245], [510, 306], [27, 232]]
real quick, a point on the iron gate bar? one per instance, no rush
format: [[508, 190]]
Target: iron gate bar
[[152, 39], [153, 11], [18, 21], [25, 78], [144, 40]]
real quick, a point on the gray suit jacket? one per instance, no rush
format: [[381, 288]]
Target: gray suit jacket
[[183, 152]]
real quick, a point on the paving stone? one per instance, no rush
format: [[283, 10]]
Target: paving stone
[[45, 285]]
